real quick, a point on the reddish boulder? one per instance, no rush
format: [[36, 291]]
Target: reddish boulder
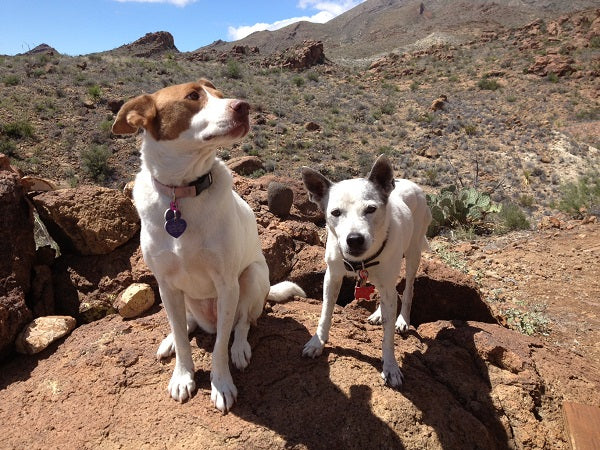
[[90, 220]]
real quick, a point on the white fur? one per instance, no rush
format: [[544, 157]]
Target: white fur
[[216, 267], [403, 221]]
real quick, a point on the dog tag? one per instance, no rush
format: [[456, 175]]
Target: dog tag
[[171, 214], [175, 226], [364, 292]]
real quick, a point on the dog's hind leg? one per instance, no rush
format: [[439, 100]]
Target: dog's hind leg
[[412, 260], [254, 287], [167, 346]]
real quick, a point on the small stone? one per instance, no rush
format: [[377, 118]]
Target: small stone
[[42, 332], [280, 198], [135, 300], [312, 126]]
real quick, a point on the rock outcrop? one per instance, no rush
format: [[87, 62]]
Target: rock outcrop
[[17, 250], [300, 57]]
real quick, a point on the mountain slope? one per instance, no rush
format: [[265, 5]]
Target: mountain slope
[[380, 26]]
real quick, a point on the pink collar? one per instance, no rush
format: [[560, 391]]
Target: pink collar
[[191, 190]]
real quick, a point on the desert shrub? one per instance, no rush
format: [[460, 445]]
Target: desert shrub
[[95, 92], [11, 80], [7, 147], [460, 208], [18, 130], [232, 70], [388, 108], [488, 84], [527, 322], [581, 196], [95, 162], [510, 218], [313, 76], [552, 77], [298, 81]]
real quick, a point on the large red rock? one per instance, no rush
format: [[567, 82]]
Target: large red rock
[[89, 220]]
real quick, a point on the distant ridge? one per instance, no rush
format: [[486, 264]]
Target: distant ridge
[[42, 48], [149, 45]]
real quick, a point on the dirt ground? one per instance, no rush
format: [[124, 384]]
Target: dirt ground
[[468, 384], [547, 281]]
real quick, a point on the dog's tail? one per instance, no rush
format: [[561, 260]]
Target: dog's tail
[[284, 290]]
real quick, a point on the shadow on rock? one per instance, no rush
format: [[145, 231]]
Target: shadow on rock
[[295, 397], [449, 383]]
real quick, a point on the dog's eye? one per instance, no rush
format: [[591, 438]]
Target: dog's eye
[[193, 96], [336, 213], [370, 209]]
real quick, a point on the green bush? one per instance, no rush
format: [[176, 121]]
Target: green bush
[[95, 92], [488, 84], [582, 196], [8, 147], [510, 218], [232, 70], [95, 162], [298, 81], [18, 130], [11, 80]]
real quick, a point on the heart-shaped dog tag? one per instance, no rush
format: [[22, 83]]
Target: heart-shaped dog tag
[[171, 214], [175, 226]]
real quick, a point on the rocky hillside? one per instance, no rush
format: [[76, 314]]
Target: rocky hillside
[[380, 26]]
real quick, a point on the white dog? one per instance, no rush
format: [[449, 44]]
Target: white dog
[[372, 223], [198, 236]]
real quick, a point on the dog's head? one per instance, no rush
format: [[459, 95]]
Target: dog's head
[[355, 210], [191, 114]]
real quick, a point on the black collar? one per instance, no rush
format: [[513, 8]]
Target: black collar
[[355, 266], [191, 190]]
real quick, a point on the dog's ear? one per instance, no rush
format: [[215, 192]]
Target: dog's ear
[[317, 186], [382, 175], [139, 112]]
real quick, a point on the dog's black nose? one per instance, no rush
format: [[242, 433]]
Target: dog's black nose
[[240, 108], [355, 241]]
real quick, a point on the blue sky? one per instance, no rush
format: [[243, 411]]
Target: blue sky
[[77, 27]]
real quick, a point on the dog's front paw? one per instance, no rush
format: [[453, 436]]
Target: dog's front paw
[[392, 375], [375, 318], [241, 354], [182, 385], [166, 347], [402, 325], [223, 393], [314, 347]]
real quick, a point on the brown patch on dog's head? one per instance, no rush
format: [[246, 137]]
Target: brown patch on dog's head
[[166, 113]]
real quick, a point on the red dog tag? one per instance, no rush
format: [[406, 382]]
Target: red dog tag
[[364, 292]]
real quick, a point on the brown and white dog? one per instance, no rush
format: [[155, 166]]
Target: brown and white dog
[[198, 236]]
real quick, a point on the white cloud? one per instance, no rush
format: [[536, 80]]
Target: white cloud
[[180, 3], [326, 10]]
